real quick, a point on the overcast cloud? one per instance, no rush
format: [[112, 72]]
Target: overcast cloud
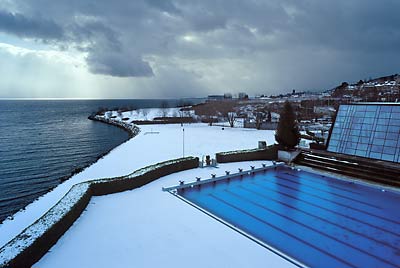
[[177, 48]]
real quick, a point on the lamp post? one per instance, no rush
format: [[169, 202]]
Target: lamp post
[[183, 142]]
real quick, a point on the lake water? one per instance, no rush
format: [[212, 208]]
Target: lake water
[[43, 141]]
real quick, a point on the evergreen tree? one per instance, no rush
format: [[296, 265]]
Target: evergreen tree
[[287, 133]]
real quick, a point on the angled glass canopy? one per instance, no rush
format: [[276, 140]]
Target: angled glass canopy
[[369, 130]]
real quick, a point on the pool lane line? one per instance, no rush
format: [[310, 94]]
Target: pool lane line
[[282, 231], [383, 243], [331, 210], [340, 204], [325, 191], [240, 231], [305, 226], [251, 179], [362, 186], [343, 184], [321, 208]]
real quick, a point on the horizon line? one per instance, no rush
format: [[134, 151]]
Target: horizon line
[[167, 98]]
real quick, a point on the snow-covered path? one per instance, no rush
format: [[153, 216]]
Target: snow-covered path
[[143, 150]]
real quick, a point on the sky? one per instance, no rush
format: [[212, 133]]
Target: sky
[[181, 48]]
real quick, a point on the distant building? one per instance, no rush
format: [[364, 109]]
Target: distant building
[[227, 96], [243, 96]]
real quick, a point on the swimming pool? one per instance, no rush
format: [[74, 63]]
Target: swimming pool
[[310, 219]]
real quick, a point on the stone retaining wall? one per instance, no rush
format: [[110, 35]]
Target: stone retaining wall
[[33, 242], [132, 129], [270, 153]]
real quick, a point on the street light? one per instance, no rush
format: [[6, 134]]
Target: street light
[[183, 142]]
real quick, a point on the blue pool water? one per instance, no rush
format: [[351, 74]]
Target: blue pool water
[[319, 221]]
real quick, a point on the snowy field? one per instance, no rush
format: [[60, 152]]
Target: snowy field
[[155, 143]]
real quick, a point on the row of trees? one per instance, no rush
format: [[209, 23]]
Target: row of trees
[[287, 133]]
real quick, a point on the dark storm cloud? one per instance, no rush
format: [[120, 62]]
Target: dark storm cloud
[[117, 64], [92, 32], [346, 25], [23, 26], [319, 43]]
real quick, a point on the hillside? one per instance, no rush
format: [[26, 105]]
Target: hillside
[[384, 89]]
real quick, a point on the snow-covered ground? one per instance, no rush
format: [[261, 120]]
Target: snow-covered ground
[[155, 143], [147, 227]]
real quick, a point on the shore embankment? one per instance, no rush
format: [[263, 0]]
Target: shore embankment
[[132, 129], [14, 224]]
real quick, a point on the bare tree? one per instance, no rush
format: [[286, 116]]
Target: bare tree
[[186, 111], [164, 108], [259, 119], [144, 112], [231, 118]]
